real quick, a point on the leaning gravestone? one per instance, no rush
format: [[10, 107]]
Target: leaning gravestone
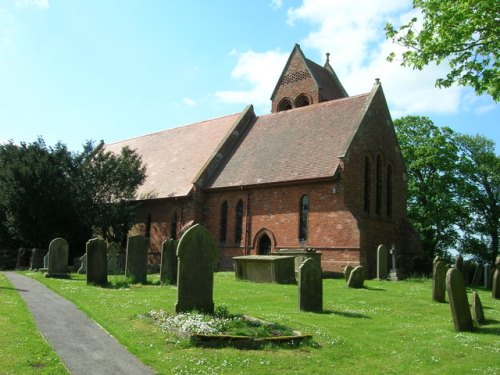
[[97, 262], [168, 265], [197, 256], [477, 309], [439, 281], [356, 278], [347, 272], [58, 258], [83, 264], [459, 304], [381, 262], [136, 266], [495, 287], [310, 286]]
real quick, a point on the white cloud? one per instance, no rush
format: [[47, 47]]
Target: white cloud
[[43, 4], [259, 71], [189, 102], [276, 4]]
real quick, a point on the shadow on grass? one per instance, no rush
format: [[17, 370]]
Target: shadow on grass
[[345, 314], [375, 289], [16, 289], [485, 330]]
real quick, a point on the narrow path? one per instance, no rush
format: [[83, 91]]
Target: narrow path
[[83, 346]]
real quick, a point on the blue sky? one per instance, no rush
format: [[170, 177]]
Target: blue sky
[[77, 70]]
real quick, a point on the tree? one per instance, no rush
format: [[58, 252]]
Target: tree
[[462, 32], [431, 157], [480, 195]]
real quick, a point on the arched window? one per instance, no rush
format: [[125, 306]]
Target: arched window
[[223, 223], [302, 101], [173, 226], [238, 229], [378, 185], [367, 185], [389, 190], [304, 213], [284, 105]]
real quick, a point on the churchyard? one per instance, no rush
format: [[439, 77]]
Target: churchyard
[[384, 327]]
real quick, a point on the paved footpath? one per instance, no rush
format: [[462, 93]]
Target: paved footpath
[[83, 345]]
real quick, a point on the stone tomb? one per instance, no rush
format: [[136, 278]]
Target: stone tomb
[[459, 304], [197, 256], [382, 262], [58, 258], [266, 268], [136, 266], [97, 262], [439, 281], [310, 286], [168, 265]]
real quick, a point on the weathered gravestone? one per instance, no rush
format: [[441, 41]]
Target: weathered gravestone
[[113, 251], [356, 278], [395, 273], [382, 262], [197, 256], [459, 264], [459, 304], [97, 262], [136, 266], [310, 286], [23, 258], [37, 256], [495, 287], [477, 309], [347, 272], [83, 264], [439, 281], [46, 261], [488, 275], [478, 275], [58, 258], [168, 266]]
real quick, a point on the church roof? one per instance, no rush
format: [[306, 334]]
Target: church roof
[[174, 157], [299, 144]]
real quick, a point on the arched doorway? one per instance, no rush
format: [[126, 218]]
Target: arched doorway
[[264, 247]]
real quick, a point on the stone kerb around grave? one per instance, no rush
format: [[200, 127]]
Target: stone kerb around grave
[[58, 258], [97, 262], [197, 255]]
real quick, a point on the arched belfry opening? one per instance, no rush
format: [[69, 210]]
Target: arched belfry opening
[[264, 246]]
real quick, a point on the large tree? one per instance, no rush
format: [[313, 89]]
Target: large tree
[[463, 33]]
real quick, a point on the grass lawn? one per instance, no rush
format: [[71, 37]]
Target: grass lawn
[[23, 350], [387, 327]]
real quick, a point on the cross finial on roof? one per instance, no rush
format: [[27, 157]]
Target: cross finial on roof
[[377, 81], [328, 57]]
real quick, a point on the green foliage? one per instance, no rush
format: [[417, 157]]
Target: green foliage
[[462, 33], [453, 188]]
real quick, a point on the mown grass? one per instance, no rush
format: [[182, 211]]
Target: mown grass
[[387, 327], [23, 350]]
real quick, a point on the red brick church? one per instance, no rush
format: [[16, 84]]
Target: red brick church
[[323, 170]]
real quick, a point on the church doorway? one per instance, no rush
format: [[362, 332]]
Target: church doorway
[[264, 247]]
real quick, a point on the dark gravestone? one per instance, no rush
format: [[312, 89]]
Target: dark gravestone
[[58, 258], [347, 272], [83, 264], [477, 309], [37, 256], [310, 286], [382, 262], [439, 281], [356, 278], [136, 266], [197, 256], [168, 265], [97, 262], [488, 275], [495, 286], [23, 258], [459, 264], [459, 304], [46, 261], [478, 275], [113, 251]]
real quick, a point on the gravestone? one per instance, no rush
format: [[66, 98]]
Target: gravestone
[[197, 256], [83, 264], [37, 257], [495, 287], [439, 281], [487, 276], [356, 278], [23, 258], [97, 262], [347, 272], [459, 304], [113, 250], [168, 265], [459, 264], [46, 261], [310, 286], [478, 275], [58, 258], [136, 266], [395, 272], [477, 309], [381, 262]]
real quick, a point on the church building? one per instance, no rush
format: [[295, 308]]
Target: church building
[[323, 170]]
